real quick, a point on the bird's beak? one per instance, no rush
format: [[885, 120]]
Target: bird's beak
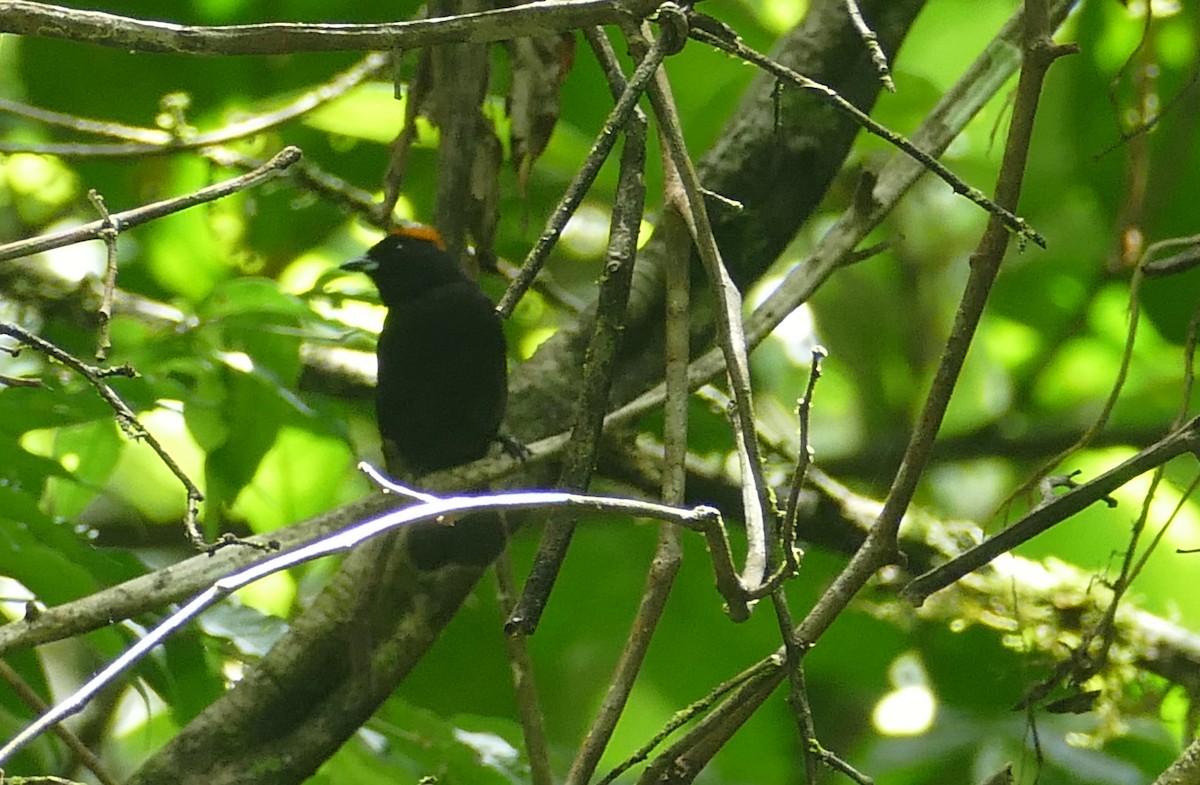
[[363, 264]]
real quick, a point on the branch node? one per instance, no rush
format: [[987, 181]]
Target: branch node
[[673, 24]]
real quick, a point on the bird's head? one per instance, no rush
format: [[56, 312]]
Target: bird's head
[[411, 260]]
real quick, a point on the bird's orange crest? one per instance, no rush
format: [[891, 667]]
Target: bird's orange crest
[[420, 232]]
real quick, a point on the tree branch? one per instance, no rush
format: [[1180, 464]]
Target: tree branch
[[435, 510], [155, 141], [1186, 439], [139, 215], [276, 38]]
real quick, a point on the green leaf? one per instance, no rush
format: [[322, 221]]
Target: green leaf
[[411, 743], [251, 297], [42, 554], [24, 409], [301, 475], [251, 631], [93, 449]]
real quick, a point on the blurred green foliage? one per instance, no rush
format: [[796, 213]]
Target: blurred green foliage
[[83, 507]]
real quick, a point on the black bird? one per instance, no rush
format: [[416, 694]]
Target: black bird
[[443, 378]]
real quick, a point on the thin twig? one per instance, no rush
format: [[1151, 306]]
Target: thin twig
[[1013, 222], [73, 742], [1153, 267], [109, 235], [871, 41], [668, 554], [19, 381], [599, 366], [791, 554], [713, 731], [573, 196], [1186, 439], [755, 673], [1126, 67], [797, 698], [147, 137], [1146, 126], [389, 485], [1184, 499], [140, 215], [309, 176], [128, 421], [802, 712], [154, 141], [793, 646], [529, 705], [814, 752], [838, 764], [803, 457]]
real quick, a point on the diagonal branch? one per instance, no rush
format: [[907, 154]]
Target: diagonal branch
[[1186, 439], [975, 88], [436, 509], [617, 120], [734, 46], [881, 545], [600, 364], [140, 215], [130, 425]]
